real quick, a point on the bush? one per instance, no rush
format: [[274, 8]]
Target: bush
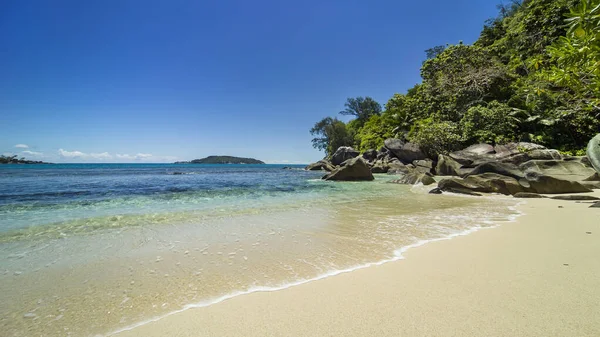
[[435, 137], [488, 124]]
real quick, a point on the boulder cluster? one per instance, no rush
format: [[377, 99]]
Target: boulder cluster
[[518, 169]]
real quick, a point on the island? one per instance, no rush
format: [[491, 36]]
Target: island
[[222, 160], [15, 160]]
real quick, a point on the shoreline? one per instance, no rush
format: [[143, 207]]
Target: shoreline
[[398, 256], [224, 310]]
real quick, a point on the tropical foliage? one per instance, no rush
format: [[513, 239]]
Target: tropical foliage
[[533, 75]]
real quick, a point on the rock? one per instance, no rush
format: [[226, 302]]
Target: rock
[[594, 185], [423, 165], [544, 154], [593, 152], [495, 183], [446, 166], [506, 150], [342, 154], [461, 191], [406, 152], [370, 155], [480, 149], [414, 178], [504, 169], [396, 167], [550, 185], [427, 163], [389, 166], [528, 195], [320, 165], [593, 177], [486, 183], [515, 159], [575, 197], [473, 153], [355, 169], [380, 167], [596, 205], [561, 169], [436, 190]]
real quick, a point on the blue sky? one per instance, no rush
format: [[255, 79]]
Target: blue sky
[[158, 81]]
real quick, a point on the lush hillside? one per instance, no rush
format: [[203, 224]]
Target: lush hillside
[[15, 160], [223, 160], [533, 75]]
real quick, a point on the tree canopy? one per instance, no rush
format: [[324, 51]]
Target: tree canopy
[[533, 75]]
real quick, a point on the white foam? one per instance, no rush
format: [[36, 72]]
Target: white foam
[[398, 255]]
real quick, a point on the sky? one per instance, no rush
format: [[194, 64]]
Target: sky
[[166, 80]]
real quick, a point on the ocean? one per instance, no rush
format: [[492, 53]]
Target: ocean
[[92, 249]]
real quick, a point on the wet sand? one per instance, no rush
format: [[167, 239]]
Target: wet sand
[[537, 276]]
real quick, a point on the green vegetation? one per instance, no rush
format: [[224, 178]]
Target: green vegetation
[[222, 160], [533, 75], [14, 160]]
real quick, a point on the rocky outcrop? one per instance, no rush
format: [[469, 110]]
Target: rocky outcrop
[[424, 165], [593, 152], [354, 169], [414, 178], [485, 183], [342, 154], [320, 165], [406, 152], [504, 169], [446, 166], [472, 154], [576, 197], [528, 195], [561, 169], [370, 155], [544, 184], [596, 205]]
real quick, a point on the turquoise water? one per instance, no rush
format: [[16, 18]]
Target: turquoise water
[[90, 249]]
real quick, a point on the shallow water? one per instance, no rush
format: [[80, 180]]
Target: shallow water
[[91, 249]]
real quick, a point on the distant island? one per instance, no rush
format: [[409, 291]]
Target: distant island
[[222, 160], [15, 160]]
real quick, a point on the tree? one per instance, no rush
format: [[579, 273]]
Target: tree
[[361, 108], [434, 51], [330, 133]]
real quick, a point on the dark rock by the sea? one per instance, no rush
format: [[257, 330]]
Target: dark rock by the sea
[[320, 165], [528, 195], [550, 185], [406, 152], [596, 205], [414, 178], [576, 197], [342, 154], [593, 152], [370, 155], [354, 169], [436, 190]]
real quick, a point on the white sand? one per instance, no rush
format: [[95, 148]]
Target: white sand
[[538, 276]]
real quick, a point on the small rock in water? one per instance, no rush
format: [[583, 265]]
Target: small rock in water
[[17, 273], [30, 315]]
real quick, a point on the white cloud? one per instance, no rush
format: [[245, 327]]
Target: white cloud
[[83, 155], [138, 156], [102, 156], [22, 146], [71, 154], [118, 157], [32, 153]]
